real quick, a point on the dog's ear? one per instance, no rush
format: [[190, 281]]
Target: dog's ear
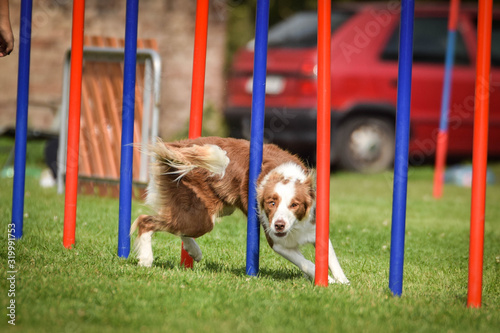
[[260, 194], [311, 183]]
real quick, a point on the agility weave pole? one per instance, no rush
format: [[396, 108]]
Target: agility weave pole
[[127, 151], [127, 137], [442, 138], [102, 84], [197, 87], [402, 146], [480, 153], [323, 143], [75, 97], [323, 138], [21, 119], [257, 134]]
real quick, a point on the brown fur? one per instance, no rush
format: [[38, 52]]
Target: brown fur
[[186, 206], [195, 181]]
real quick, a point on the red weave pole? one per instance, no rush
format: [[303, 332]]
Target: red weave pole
[[197, 87], [480, 153], [199, 64], [75, 97], [323, 143], [453, 18]]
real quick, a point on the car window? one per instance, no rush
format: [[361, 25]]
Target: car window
[[495, 43], [429, 42], [300, 30]]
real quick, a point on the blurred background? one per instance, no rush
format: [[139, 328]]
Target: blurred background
[[171, 23]]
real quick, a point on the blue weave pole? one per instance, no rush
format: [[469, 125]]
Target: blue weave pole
[[257, 134], [127, 151], [448, 70], [23, 80], [402, 142]]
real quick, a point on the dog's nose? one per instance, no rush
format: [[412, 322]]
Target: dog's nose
[[279, 226]]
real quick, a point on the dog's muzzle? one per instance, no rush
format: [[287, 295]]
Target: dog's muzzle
[[279, 228]]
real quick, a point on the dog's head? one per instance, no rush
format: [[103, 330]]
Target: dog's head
[[286, 198]]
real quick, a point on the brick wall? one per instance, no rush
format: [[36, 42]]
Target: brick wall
[[170, 22]]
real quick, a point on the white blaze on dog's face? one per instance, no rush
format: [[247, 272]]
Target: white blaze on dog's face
[[285, 199]]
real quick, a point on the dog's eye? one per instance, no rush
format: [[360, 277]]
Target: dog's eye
[[271, 203], [294, 205]]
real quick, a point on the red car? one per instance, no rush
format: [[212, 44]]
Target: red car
[[364, 85]]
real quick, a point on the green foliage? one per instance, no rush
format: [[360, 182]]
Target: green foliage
[[241, 20], [90, 289], [214, 124]]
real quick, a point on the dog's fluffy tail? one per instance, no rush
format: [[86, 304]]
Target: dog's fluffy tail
[[181, 160]]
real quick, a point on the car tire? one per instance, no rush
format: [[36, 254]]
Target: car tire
[[366, 144]]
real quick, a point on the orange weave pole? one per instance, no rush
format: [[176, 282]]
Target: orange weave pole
[[323, 143], [75, 97], [480, 153], [198, 87], [439, 169]]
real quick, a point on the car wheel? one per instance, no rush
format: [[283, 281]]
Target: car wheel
[[366, 144]]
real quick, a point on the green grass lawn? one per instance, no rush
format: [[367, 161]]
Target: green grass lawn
[[90, 289]]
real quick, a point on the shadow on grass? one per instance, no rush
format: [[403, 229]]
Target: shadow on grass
[[276, 274], [218, 267], [165, 264]]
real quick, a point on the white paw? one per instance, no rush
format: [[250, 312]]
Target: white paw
[[145, 262], [341, 281]]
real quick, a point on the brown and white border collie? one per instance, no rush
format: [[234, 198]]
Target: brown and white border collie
[[193, 182]]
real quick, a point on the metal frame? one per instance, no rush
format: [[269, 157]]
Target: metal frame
[[151, 99]]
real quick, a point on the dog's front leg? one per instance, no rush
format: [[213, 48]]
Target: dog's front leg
[[333, 264], [296, 257]]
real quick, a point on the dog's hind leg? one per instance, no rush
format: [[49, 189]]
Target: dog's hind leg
[[192, 248], [144, 249], [146, 226]]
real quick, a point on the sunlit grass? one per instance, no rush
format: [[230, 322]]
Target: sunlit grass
[[90, 289]]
